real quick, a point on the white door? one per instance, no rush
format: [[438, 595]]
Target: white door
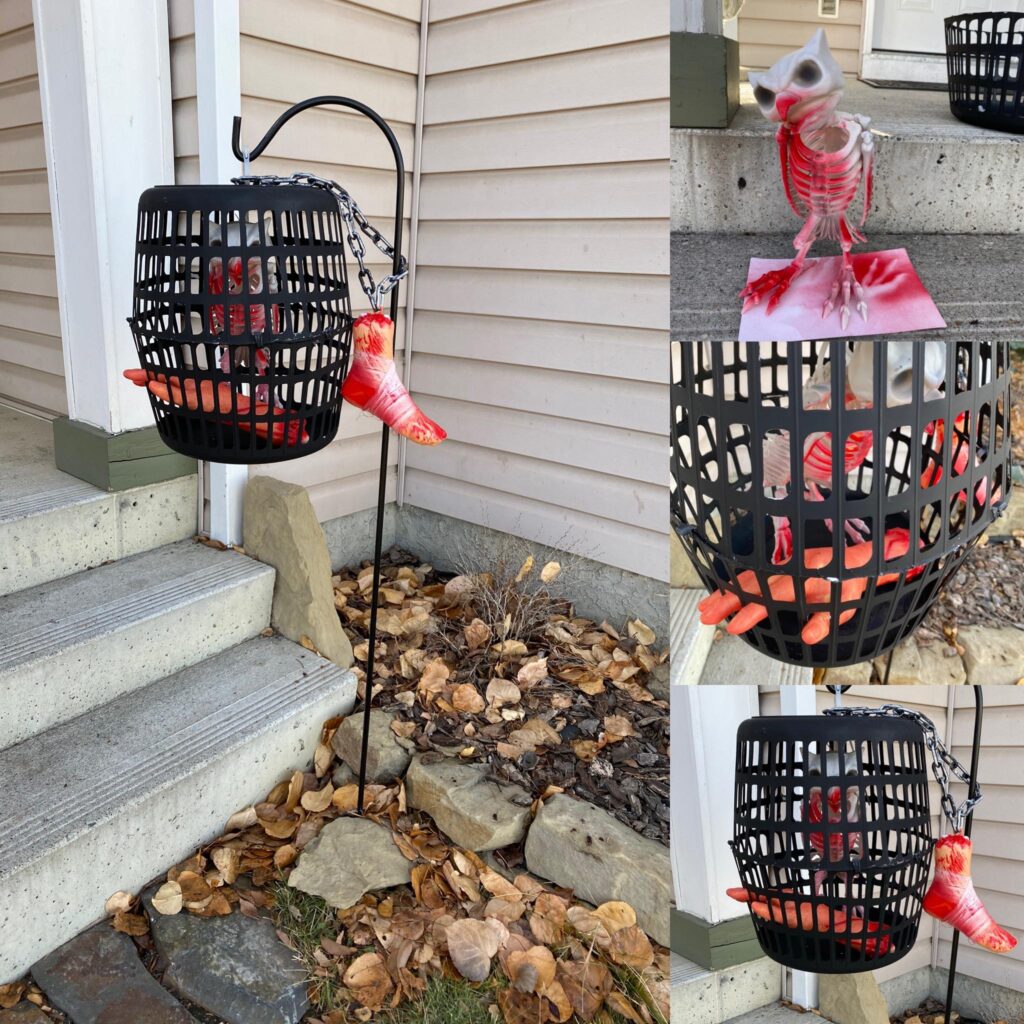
[[916, 26]]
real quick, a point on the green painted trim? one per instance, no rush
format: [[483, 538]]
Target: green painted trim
[[704, 80], [714, 946], [115, 462]]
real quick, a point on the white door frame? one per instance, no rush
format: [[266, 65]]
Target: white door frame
[[893, 66], [105, 92], [218, 100]]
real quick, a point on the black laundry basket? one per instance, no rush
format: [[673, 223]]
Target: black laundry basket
[[242, 318], [985, 64], [858, 868], [875, 536]]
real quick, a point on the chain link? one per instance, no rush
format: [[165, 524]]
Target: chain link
[[943, 762], [355, 221]]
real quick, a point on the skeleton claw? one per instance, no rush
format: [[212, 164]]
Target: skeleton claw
[[844, 288], [773, 284]]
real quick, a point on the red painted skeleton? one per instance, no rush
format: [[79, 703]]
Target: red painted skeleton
[[824, 155]]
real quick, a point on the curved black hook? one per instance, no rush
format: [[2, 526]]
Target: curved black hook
[[362, 108]]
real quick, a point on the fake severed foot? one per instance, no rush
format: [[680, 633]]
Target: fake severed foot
[[846, 289], [771, 285]]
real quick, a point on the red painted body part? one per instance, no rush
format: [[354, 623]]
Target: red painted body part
[[952, 899], [373, 383]]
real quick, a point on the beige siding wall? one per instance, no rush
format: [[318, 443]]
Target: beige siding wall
[[31, 362], [364, 50], [541, 300], [998, 870], [770, 28]]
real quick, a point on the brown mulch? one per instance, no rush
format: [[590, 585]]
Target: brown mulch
[[987, 591], [932, 1011], [1017, 416], [496, 667]]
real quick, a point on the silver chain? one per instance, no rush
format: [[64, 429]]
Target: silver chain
[[355, 221], [943, 762]]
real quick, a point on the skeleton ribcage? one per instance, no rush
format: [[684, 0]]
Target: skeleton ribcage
[[826, 182]]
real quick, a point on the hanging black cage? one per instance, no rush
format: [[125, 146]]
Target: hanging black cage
[[242, 318], [985, 65], [824, 561], [832, 838]]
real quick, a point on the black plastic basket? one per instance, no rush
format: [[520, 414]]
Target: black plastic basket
[[832, 823], [985, 62], [909, 496], [242, 318]]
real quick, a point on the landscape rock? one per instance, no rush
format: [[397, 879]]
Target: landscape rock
[[24, 1013], [350, 857], [98, 978], [580, 846], [849, 675], [281, 529], [470, 809], [915, 662], [992, 655], [658, 682], [386, 758], [235, 966], [852, 999]]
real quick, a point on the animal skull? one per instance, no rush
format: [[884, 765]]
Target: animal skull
[[899, 371]]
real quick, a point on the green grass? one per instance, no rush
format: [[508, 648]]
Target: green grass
[[449, 1001], [307, 920]]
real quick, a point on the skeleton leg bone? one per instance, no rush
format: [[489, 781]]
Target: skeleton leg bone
[[846, 286]]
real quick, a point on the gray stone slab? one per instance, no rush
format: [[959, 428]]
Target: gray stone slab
[[581, 846], [690, 640], [24, 1013], [473, 811], [140, 618], [98, 978], [145, 779], [386, 758], [235, 966], [778, 1013], [732, 661], [933, 173], [350, 857], [974, 280]]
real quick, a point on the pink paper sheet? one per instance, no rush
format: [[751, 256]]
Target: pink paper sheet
[[897, 300]]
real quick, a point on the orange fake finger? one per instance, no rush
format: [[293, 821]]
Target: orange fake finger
[[721, 605]]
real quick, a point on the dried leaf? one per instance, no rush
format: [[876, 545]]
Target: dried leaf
[[502, 691], [531, 970], [550, 571], [586, 983], [477, 633], [284, 856], [471, 946], [130, 924], [525, 569], [368, 980], [534, 733], [630, 947], [641, 632], [226, 860], [318, 800], [615, 915], [619, 1004], [121, 900], [167, 900], [522, 1007], [510, 648], [11, 993], [403, 729], [466, 698], [547, 919], [617, 727], [241, 820], [532, 673]]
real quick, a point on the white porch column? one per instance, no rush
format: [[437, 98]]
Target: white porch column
[[704, 723], [218, 99], [105, 88], [800, 700]]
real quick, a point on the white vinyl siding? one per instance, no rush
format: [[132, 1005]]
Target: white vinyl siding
[[542, 292], [31, 360], [998, 868], [769, 29], [368, 51]]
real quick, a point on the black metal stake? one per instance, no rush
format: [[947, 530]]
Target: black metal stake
[[396, 151], [979, 708]]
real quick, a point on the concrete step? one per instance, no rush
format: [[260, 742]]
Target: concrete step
[[732, 661], [112, 799], [702, 996], [934, 174], [690, 640], [72, 644], [53, 525], [974, 281]]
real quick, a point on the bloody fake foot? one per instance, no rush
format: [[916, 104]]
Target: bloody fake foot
[[373, 383], [771, 286]]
